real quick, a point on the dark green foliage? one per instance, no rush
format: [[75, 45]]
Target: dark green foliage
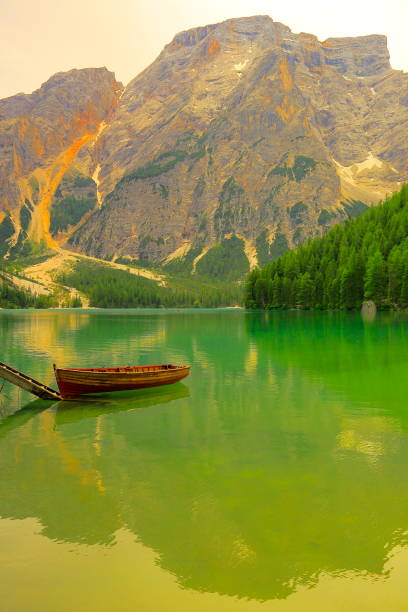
[[202, 139], [225, 260], [297, 217], [182, 266], [302, 166], [186, 137], [376, 278], [11, 297], [18, 246], [279, 246], [355, 208], [297, 209], [146, 245], [144, 241], [367, 258], [233, 208], [199, 188], [75, 180], [325, 217], [134, 263], [7, 229], [298, 236], [163, 163], [230, 191], [109, 288], [167, 161], [257, 142], [269, 200], [75, 302], [82, 181], [198, 154], [164, 191], [35, 189], [28, 253], [266, 251], [262, 248], [25, 217], [69, 211], [203, 222]]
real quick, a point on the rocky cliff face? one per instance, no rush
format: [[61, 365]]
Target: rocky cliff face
[[242, 137], [40, 137], [246, 131]]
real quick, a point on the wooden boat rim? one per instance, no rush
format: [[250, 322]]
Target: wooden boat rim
[[126, 369]]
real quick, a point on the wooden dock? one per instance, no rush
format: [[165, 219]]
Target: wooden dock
[[27, 383]]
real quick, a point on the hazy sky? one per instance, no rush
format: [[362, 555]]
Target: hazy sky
[[41, 37]]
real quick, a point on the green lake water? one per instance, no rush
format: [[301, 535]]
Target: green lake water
[[273, 478]]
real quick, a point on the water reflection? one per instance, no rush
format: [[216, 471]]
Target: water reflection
[[96, 406], [282, 457]]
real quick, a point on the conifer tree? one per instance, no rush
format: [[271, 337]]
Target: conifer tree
[[366, 258], [375, 282]]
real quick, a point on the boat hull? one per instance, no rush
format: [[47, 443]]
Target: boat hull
[[73, 382]]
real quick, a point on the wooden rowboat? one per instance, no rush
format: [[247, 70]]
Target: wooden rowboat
[[80, 381]]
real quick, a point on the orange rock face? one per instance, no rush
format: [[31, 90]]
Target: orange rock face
[[213, 47], [54, 176], [41, 134]]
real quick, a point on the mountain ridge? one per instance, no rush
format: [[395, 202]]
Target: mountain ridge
[[238, 131]]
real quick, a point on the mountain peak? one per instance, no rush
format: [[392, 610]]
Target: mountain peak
[[361, 55], [249, 26]]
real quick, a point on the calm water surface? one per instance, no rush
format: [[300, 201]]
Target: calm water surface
[[274, 478]]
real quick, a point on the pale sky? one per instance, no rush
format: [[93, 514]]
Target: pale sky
[[41, 37]]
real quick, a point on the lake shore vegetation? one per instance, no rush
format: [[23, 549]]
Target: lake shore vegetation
[[364, 259]]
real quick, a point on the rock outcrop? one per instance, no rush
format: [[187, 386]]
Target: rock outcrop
[[241, 137], [40, 137]]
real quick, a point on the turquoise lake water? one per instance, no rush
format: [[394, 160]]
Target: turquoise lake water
[[273, 478]]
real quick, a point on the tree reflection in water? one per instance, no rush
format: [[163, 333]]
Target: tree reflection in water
[[282, 456]]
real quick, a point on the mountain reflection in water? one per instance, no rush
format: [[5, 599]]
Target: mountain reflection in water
[[282, 456]]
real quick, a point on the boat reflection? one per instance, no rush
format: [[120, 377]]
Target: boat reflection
[[273, 466], [92, 406]]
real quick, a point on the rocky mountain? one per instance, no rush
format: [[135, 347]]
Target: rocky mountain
[[240, 141], [40, 137]]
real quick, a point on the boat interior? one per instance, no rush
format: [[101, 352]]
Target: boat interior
[[150, 368]]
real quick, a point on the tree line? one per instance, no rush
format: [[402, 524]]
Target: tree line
[[12, 297], [107, 288], [364, 259]]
